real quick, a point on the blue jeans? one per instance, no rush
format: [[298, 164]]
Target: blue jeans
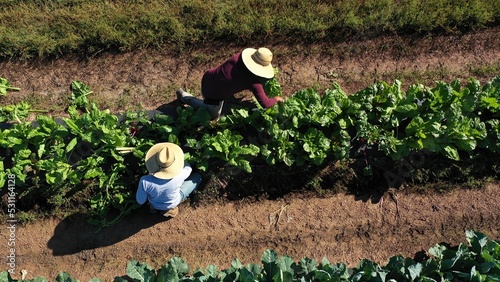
[[191, 183]]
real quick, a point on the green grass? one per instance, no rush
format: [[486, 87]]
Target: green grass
[[46, 29], [484, 70]]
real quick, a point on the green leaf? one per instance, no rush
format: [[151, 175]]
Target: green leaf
[[93, 173], [166, 273], [180, 267], [452, 153], [477, 240], [218, 147], [212, 271], [437, 251], [369, 271], [272, 86], [14, 141], [72, 125], [79, 95], [427, 143], [246, 275], [140, 272], [5, 276], [23, 154], [306, 266], [286, 264], [71, 145], [5, 86], [36, 134], [415, 271], [269, 260], [321, 275], [256, 269], [64, 277], [19, 111], [3, 174]]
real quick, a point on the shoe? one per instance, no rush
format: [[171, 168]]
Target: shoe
[[181, 94], [171, 212]]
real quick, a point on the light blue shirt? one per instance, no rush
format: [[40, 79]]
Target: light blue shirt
[[162, 194]]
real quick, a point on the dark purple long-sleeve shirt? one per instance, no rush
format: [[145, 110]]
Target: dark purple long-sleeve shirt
[[230, 78]]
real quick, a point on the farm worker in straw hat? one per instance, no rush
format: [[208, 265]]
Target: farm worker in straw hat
[[169, 181], [246, 70]]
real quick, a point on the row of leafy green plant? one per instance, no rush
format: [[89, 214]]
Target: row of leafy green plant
[[57, 28], [478, 260], [97, 155]]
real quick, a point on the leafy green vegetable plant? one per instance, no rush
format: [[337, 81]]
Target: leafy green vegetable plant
[[309, 128], [5, 86], [478, 260]]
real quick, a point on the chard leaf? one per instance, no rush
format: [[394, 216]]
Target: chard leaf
[[246, 275], [36, 133], [431, 144], [452, 153], [3, 175], [406, 108], [269, 260], [244, 164], [212, 271], [23, 154], [70, 123], [286, 264], [256, 269], [5, 86], [415, 270], [437, 251], [140, 271], [64, 277], [93, 173], [477, 240], [71, 145]]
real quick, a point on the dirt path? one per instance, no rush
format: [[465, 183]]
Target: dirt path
[[149, 78], [340, 228]]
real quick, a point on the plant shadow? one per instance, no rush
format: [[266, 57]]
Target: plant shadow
[[279, 180], [232, 103], [74, 234]]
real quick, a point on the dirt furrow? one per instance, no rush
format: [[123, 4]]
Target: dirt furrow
[[340, 228]]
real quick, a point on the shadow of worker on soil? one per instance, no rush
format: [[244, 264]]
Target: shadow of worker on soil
[[74, 234]]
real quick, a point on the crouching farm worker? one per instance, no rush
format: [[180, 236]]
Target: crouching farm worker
[[246, 70], [169, 182]]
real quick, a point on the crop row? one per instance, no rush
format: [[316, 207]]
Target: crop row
[[479, 260], [99, 153]]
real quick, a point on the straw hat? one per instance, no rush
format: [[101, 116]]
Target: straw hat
[[165, 160], [258, 61]]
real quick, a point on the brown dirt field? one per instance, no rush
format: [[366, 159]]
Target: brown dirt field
[[342, 228], [148, 78]]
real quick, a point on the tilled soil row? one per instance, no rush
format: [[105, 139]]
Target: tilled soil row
[[341, 228]]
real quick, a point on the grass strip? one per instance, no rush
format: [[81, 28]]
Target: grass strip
[[45, 29]]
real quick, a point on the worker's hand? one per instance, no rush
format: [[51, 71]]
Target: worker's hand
[[280, 99]]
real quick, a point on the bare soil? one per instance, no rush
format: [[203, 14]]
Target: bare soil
[[342, 227], [148, 78]]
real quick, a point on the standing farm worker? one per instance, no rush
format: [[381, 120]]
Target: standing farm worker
[[246, 70], [169, 182]]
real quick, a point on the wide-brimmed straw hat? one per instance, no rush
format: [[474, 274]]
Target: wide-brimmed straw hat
[[258, 61], [165, 160]]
